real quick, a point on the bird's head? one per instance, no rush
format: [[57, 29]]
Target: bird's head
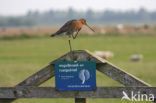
[[83, 21]]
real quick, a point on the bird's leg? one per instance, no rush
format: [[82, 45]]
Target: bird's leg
[[72, 55], [77, 33], [70, 44], [73, 36]]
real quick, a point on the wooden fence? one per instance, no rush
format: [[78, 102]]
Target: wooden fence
[[28, 88]]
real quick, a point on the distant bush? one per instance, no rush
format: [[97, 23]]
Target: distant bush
[[22, 36]]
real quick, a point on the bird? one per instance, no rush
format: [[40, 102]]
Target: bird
[[70, 27]]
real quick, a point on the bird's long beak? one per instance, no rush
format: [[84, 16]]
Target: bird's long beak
[[89, 27]]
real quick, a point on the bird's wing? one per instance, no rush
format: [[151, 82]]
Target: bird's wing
[[67, 26]]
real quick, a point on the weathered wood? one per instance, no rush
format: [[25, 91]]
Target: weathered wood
[[119, 75], [51, 92], [116, 73], [82, 55], [35, 80], [104, 66], [79, 55], [39, 77], [80, 100], [48, 72]]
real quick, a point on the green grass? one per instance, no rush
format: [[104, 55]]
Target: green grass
[[20, 58]]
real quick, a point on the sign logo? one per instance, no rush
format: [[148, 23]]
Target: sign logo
[[137, 96], [84, 75]]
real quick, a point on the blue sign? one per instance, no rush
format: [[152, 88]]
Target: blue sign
[[75, 76]]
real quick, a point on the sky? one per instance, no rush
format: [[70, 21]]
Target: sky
[[20, 7]]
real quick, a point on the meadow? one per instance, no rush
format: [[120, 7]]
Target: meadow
[[20, 58]]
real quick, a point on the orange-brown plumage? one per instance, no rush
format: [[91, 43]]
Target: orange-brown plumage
[[70, 27]]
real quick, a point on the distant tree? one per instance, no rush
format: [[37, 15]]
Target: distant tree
[[90, 15], [52, 17], [70, 14], [143, 15], [153, 16]]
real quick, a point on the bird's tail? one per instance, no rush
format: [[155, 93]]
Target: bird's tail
[[52, 35]]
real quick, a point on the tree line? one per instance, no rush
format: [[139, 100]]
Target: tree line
[[53, 17]]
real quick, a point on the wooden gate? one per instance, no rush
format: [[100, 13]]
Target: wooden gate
[[28, 88]]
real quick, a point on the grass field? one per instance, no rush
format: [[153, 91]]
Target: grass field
[[21, 58]]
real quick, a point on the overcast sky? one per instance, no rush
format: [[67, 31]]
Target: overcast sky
[[19, 7]]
